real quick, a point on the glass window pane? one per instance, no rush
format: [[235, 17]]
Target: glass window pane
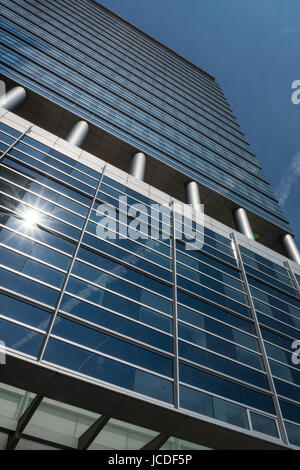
[[20, 338], [293, 433], [264, 424], [230, 413], [197, 401]]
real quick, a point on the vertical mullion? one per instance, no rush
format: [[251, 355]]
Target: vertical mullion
[[287, 264], [175, 316], [15, 142], [281, 426], [43, 347]]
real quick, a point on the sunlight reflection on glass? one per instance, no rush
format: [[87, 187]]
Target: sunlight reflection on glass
[[31, 218]]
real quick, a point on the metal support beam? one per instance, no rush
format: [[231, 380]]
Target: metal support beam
[[92, 432], [22, 422], [242, 222], [157, 442], [193, 194], [288, 266], [291, 248], [78, 133], [138, 165], [265, 360], [13, 98]]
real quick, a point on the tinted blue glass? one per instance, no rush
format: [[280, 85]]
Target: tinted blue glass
[[209, 309], [156, 302], [35, 143], [12, 260], [44, 273], [231, 390], [32, 268], [71, 162], [264, 261], [3, 148], [279, 354], [9, 130], [155, 319], [27, 287], [201, 278], [273, 281], [7, 139], [293, 432], [218, 345], [112, 346], [289, 411], [24, 312], [153, 386], [265, 320], [106, 369], [213, 296], [287, 390], [264, 424], [286, 373], [38, 233], [44, 218], [230, 413], [128, 273], [277, 314], [54, 185], [118, 304], [50, 256], [27, 246], [216, 327], [50, 171], [196, 401], [197, 258], [116, 323], [20, 338], [219, 363], [56, 162], [276, 338], [87, 363], [267, 296], [124, 255]]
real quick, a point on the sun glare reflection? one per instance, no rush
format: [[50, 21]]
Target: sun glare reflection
[[31, 218]]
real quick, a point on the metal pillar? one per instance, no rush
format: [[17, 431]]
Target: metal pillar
[[291, 248], [78, 133], [264, 357], [242, 222], [138, 165], [85, 440], [193, 194], [13, 98]]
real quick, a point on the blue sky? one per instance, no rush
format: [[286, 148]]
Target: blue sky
[[252, 49]]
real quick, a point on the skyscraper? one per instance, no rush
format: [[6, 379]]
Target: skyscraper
[[135, 341]]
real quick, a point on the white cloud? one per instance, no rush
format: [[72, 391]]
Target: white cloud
[[288, 179]]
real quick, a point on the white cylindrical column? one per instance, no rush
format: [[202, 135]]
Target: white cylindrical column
[[291, 248], [138, 165], [13, 98], [78, 133], [242, 222], [193, 194]]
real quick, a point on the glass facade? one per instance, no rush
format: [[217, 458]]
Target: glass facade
[[208, 333], [145, 315], [90, 62]]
